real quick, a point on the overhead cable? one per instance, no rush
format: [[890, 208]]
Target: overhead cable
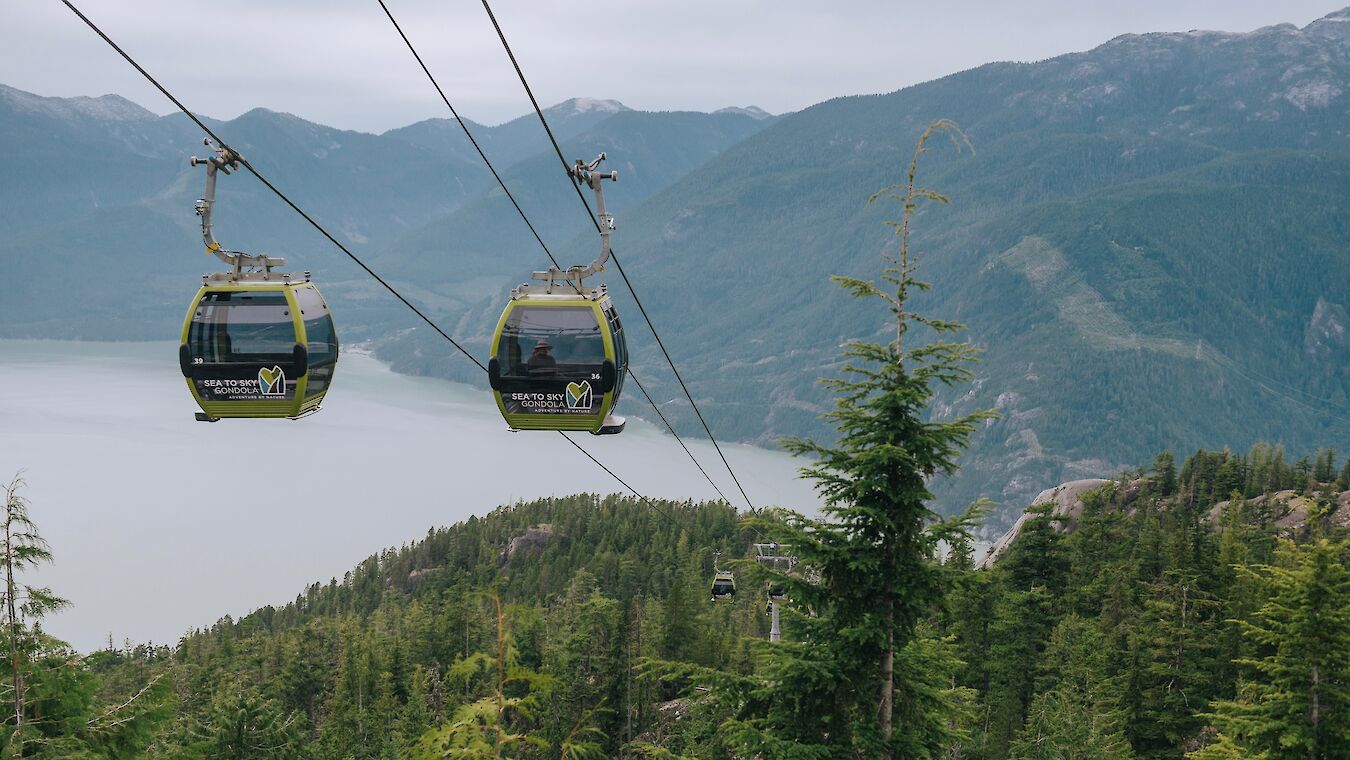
[[330, 237], [467, 133], [624, 275]]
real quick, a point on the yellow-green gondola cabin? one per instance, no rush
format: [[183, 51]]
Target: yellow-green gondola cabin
[[558, 362], [258, 348]]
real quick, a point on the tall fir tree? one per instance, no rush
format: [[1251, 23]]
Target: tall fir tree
[[1293, 702], [874, 550], [1076, 713], [22, 549]]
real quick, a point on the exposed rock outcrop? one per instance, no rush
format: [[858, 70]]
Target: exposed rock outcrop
[[418, 577], [532, 541], [1068, 507], [1289, 510]]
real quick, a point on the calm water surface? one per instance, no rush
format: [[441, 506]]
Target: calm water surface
[[160, 523]]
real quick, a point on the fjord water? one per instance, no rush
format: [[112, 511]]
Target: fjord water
[[159, 523]]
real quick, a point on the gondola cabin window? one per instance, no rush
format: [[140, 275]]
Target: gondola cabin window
[[235, 327], [552, 342], [320, 337]]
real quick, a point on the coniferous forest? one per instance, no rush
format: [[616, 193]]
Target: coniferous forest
[[1173, 620], [1199, 610]]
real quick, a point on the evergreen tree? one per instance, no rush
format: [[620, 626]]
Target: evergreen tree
[[1076, 715], [1325, 469], [350, 727], [498, 725], [872, 550], [1230, 476], [1036, 559], [684, 609], [1176, 641], [1020, 630], [1165, 473], [22, 549], [1295, 702], [243, 725], [301, 682], [583, 654]]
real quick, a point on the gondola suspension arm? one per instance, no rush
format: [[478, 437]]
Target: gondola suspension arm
[[225, 160], [585, 174]]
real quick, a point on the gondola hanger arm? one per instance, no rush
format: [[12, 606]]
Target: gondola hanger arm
[[586, 174], [225, 160]]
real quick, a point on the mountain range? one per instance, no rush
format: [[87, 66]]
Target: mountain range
[[1150, 241]]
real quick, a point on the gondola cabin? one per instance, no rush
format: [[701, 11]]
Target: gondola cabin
[[258, 348], [724, 586], [558, 361]]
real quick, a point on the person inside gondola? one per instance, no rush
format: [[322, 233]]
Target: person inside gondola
[[541, 362]]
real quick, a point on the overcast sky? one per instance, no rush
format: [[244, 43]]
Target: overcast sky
[[339, 62]]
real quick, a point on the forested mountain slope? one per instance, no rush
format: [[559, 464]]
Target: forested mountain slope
[[1150, 242], [1116, 639]]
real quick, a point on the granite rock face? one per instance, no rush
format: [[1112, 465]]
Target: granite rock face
[[1067, 499], [1288, 509], [532, 542]]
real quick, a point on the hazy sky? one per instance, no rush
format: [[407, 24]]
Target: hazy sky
[[340, 63]]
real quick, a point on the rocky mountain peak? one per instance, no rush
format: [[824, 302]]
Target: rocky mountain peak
[[1335, 25], [102, 108], [577, 106]]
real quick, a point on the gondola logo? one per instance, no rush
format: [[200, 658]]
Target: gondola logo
[[272, 381], [579, 395]]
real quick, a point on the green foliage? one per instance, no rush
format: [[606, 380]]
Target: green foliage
[[500, 724], [1078, 717], [1068, 643], [243, 725], [860, 664], [1295, 693], [53, 693]]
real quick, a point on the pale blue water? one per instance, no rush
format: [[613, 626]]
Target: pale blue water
[[160, 523]]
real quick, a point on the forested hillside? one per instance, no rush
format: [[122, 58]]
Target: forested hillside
[[1147, 238], [1150, 240], [1176, 617]]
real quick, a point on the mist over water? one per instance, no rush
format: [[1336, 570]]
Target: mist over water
[[160, 523]]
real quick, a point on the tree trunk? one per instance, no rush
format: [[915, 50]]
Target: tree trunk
[[13, 620], [1314, 716], [887, 678]]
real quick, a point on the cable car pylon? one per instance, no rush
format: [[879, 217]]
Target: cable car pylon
[[775, 557]]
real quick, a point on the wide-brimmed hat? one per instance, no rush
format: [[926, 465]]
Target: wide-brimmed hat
[[543, 344]]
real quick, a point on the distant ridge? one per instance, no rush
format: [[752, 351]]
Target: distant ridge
[[105, 107], [754, 112]]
